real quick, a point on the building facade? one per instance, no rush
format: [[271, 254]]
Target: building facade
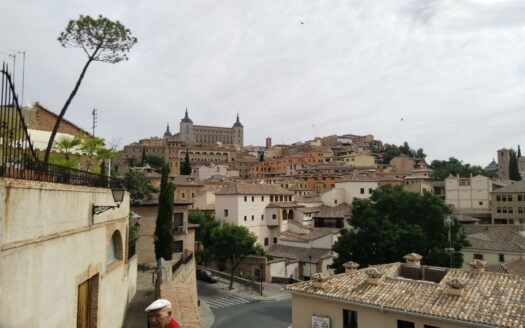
[[468, 194], [211, 135], [508, 204]]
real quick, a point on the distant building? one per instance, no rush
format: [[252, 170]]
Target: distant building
[[503, 164], [409, 295], [508, 204], [211, 135], [212, 170], [263, 209], [468, 195]]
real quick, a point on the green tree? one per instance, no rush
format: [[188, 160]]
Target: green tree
[[101, 40], [155, 162], [138, 186], [90, 147], [442, 169], [164, 224], [233, 243], [393, 223], [66, 144], [203, 235], [185, 168], [514, 173], [261, 156], [144, 157]]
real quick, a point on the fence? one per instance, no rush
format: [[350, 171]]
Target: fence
[[18, 158]]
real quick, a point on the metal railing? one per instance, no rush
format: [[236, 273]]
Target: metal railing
[[18, 158]]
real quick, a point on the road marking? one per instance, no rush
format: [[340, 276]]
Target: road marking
[[227, 301]]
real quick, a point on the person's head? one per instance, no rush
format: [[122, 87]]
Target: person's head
[[159, 313]]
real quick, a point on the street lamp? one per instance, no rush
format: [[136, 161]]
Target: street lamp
[[449, 223], [118, 196]]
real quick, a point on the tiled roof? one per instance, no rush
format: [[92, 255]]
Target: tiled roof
[[314, 233], [299, 253], [253, 189], [182, 180], [312, 209], [489, 298], [284, 205], [514, 187], [512, 267], [340, 211], [358, 178], [497, 239]]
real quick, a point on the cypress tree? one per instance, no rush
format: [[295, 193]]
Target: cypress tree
[[514, 173], [186, 165], [519, 151], [164, 225]]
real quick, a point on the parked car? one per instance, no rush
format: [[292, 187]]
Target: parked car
[[207, 276]]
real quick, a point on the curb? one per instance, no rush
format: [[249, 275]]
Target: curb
[[205, 311]]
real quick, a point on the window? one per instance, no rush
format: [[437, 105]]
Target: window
[[253, 217], [114, 248], [520, 210], [335, 201], [362, 191], [430, 326], [266, 241], [405, 324], [253, 199], [498, 198], [480, 203], [178, 246], [245, 218], [245, 198], [275, 240], [178, 219], [192, 194], [478, 256], [503, 198], [349, 319], [262, 198], [225, 212], [274, 216], [370, 190], [498, 209], [520, 198], [504, 209], [271, 198], [501, 257], [511, 210], [183, 195], [262, 217]]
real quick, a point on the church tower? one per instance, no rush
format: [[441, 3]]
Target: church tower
[[238, 128], [186, 128]]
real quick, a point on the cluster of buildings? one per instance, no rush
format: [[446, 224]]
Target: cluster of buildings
[[294, 198]]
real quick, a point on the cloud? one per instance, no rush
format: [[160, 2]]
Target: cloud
[[453, 69]]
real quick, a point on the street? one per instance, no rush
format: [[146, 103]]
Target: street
[[233, 309]]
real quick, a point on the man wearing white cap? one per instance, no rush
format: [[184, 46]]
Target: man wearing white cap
[[159, 315]]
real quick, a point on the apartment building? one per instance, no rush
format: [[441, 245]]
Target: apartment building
[[508, 204], [468, 195], [263, 209]]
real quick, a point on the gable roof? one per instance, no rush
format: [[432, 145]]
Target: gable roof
[[303, 254], [491, 299], [253, 189], [514, 187], [497, 239], [340, 211]]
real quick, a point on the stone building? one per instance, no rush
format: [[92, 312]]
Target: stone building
[[508, 204], [211, 135]]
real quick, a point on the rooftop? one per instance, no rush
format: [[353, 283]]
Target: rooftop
[[253, 189], [514, 187], [488, 298], [497, 239], [340, 211], [303, 254]]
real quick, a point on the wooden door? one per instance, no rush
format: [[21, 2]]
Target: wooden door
[[87, 303]]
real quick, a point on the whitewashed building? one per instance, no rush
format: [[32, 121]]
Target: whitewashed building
[[264, 209]]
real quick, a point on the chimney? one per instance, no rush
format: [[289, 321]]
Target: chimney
[[320, 280], [477, 266], [351, 267], [456, 287], [413, 259], [375, 277]]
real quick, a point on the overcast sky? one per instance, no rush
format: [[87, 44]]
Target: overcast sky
[[447, 76]]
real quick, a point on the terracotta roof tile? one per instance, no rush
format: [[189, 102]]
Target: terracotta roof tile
[[253, 189], [489, 298], [340, 211]]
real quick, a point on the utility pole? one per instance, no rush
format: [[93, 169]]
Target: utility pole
[[94, 114]]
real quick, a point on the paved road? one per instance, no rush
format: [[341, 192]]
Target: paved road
[[255, 315]]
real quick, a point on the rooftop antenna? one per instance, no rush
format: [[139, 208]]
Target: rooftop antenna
[[94, 114], [23, 53]]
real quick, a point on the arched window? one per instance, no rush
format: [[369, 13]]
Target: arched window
[[114, 248]]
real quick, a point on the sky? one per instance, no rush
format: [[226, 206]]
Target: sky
[[444, 75]]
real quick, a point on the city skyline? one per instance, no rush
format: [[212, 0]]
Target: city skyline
[[445, 76]]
